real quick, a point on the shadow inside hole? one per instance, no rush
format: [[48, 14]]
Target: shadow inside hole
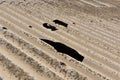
[[49, 27], [60, 23], [30, 26], [65, 49], [4, 28]]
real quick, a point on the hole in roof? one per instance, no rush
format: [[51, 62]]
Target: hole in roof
[[60, 47], [73, 22], [60, 23], [30, 26], [48, 26], [4, 28]]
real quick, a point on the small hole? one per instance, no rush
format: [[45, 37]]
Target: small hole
[[48, 26], [73, 22], [4, 28], [60, 23], [30, 26]]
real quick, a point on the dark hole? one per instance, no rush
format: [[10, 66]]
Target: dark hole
[[60, 23], [65, 49], [4, 28], [73, 22], [49, 27], [30, 26]]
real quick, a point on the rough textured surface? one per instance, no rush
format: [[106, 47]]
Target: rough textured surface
[[92, 30]]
